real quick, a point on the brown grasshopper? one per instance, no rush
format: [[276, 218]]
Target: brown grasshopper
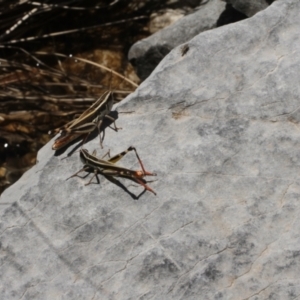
[[89, 120], [109, 169]]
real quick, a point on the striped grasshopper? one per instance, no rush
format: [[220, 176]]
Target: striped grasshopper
[[109, 169], [89, 120]]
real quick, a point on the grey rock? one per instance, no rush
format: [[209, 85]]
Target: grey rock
[[249, 7], [219, 124], [164, 18], [147, 53]]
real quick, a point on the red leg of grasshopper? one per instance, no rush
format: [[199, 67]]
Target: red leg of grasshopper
[[142, 166], [117, 157], [144, 185], [135, 177]]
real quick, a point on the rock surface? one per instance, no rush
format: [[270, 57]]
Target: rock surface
[[147, 53], [218, 120], [249, 7], [162, 19]]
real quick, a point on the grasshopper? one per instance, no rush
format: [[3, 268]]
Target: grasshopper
[[108, 167], [89, 120]]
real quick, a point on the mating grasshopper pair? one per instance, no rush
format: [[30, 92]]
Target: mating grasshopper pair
[[87, 122], [109, 169]]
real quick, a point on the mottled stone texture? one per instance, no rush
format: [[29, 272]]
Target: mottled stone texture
[[249, 7], [220, 126], [147, 53]]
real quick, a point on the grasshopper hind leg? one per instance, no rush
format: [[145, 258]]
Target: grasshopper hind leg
[[143, 183], [141, 164]]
